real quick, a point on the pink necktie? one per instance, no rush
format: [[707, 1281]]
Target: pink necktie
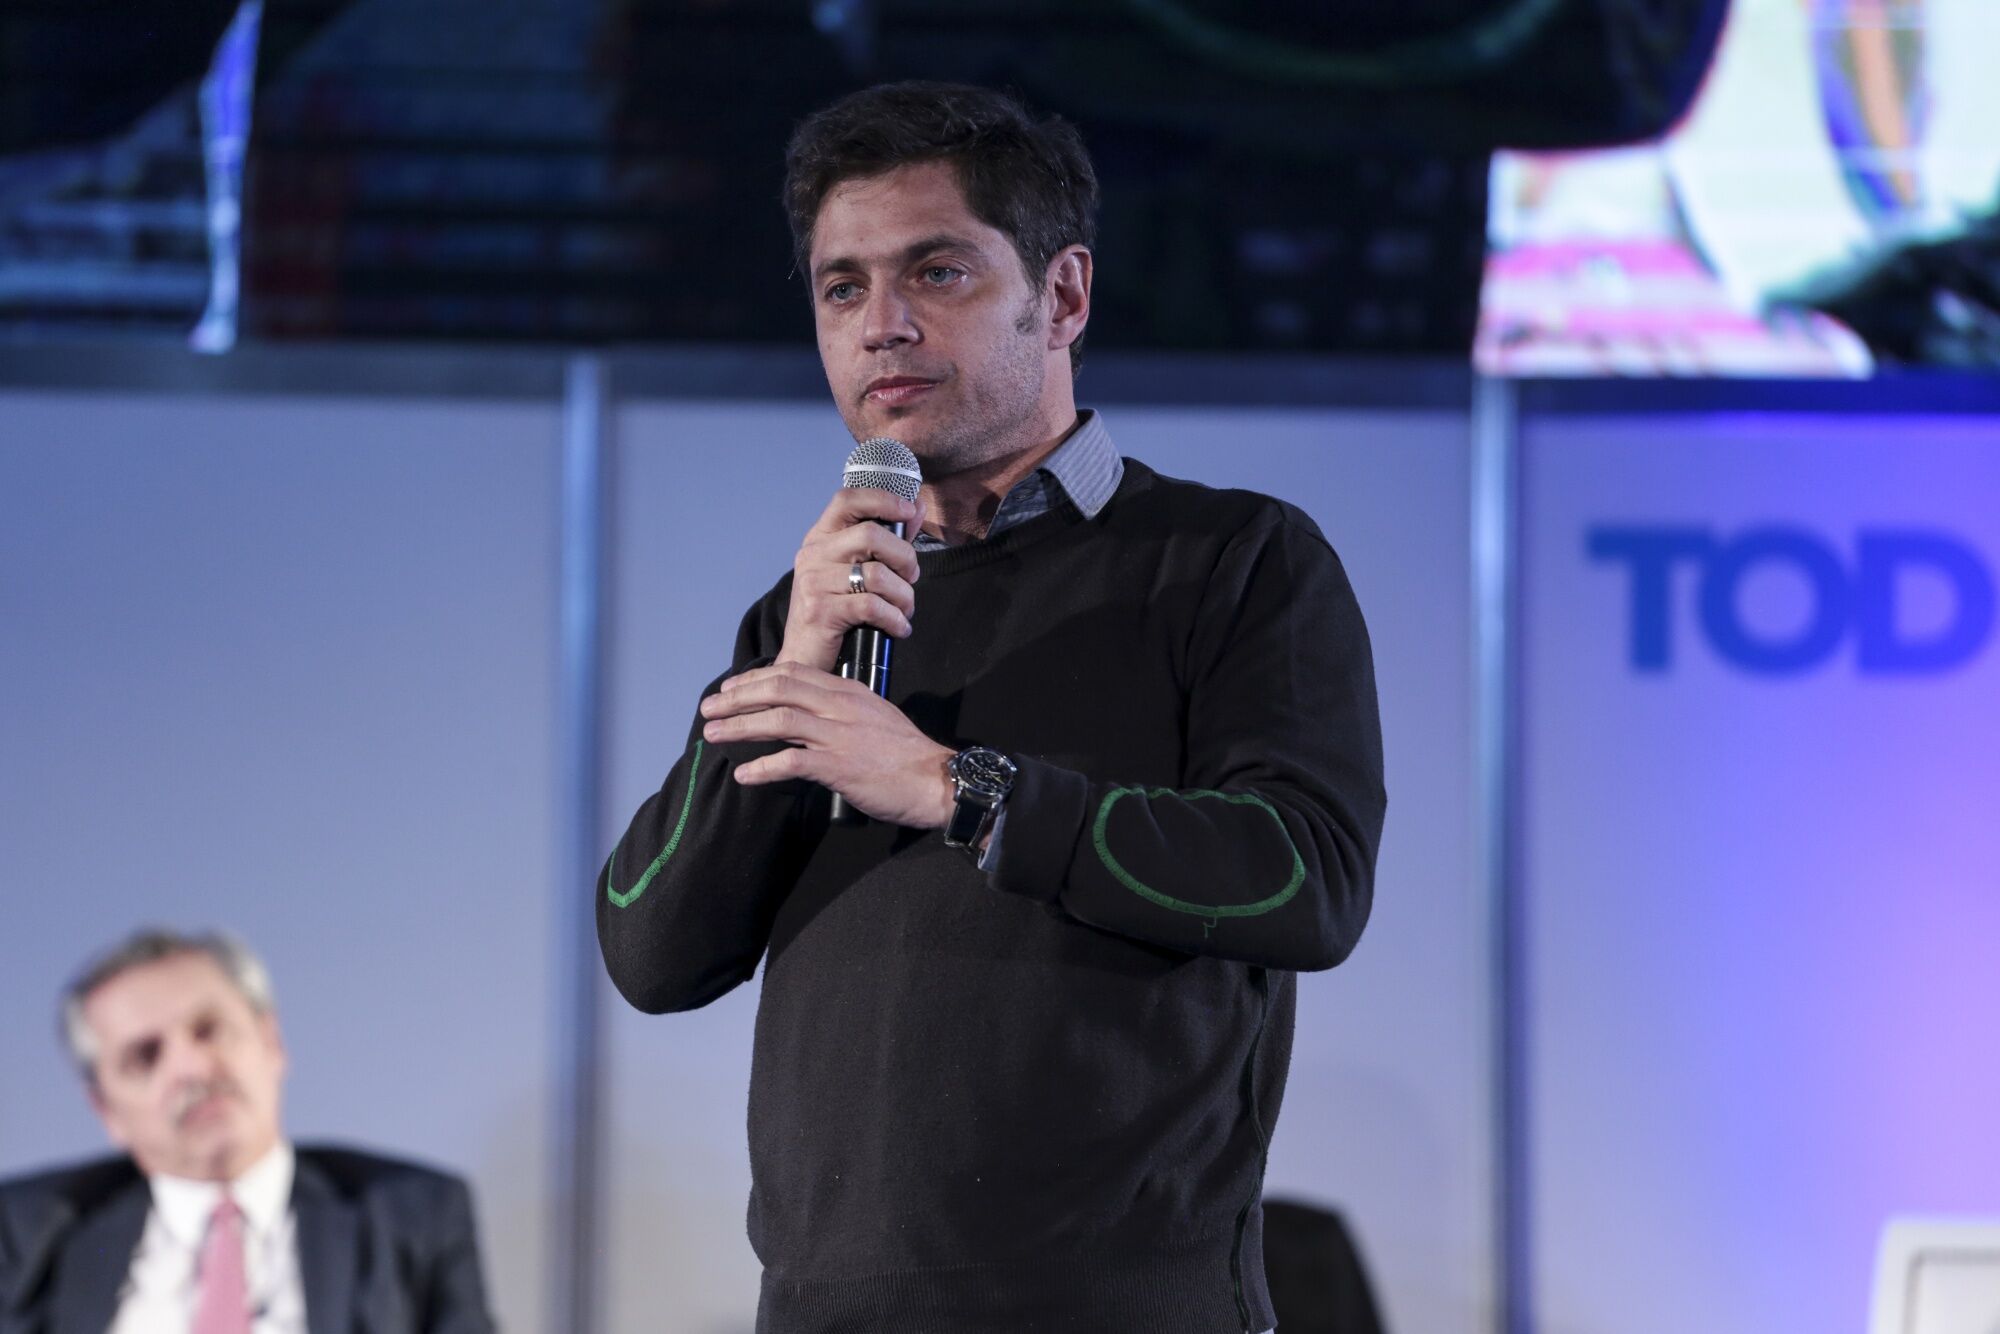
[[222, 1298]]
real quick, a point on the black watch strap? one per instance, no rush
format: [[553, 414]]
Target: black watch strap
[[981, 779], [969, 819]]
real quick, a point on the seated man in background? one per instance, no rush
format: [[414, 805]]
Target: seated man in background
[[215, 1224]]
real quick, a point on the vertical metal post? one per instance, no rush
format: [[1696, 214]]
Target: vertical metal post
[[1496, 592], [576, 1126]]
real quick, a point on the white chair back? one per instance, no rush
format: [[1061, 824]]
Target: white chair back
[[1937, 1276]]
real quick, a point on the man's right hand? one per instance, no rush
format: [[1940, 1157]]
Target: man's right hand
[[823, 609]]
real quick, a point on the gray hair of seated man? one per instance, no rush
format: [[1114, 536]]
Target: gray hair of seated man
[[150, 945]]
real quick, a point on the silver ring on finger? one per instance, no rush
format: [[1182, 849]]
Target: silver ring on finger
[[857, 580]]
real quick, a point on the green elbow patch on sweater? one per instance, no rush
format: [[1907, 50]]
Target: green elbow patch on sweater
[[673, 841], [1150, 847]]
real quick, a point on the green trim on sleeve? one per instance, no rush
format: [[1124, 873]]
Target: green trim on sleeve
[[1167, 901], [673, 842]]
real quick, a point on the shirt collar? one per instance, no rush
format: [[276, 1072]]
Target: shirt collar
[[1086, 465], [263, 1192]]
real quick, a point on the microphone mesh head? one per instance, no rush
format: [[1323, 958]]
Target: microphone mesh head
[[882, 464]]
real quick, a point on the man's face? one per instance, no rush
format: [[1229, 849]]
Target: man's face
[[187, 1072], [928, 329]]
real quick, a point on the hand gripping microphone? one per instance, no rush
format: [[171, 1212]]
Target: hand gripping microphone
[[880, 464]]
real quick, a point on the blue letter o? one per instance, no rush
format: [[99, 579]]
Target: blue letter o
[[1796, 653]]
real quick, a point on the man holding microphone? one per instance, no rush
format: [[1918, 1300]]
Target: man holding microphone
[[1023, 1032]]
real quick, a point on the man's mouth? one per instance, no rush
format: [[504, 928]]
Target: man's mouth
[[896, 390], [203, 1103], [207, 1109]]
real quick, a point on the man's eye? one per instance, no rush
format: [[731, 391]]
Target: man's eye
[[840, 292], [937, 275]]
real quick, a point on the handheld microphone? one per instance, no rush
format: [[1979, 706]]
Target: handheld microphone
[[878, 464]]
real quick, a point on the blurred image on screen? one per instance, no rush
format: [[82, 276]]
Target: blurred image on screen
[[1827, 207]]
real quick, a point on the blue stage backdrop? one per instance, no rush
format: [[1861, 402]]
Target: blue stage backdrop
[[289, 662], [1763, 745]]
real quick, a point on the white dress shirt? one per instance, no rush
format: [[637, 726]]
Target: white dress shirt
[[162, 1284]]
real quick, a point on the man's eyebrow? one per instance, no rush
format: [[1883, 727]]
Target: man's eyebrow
[[913, 252]]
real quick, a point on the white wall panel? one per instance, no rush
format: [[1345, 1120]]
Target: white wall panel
[[287, 665], [710, 504]]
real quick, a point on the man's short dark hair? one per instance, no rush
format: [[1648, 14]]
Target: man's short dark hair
[[1026, 177]]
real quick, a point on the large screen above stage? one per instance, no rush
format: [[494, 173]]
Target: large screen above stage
[[1278, 175], [1829, 206]]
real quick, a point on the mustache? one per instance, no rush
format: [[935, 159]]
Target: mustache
[[193, 1094]]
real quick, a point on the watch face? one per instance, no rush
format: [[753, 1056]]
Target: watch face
[[984, 771]]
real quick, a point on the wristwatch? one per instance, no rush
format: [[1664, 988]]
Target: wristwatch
[[981, 779]]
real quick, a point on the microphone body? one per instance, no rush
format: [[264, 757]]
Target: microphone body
[[864, 653], [879, 464]]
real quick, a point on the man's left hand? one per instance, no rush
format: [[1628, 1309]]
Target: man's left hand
[[841, 735]]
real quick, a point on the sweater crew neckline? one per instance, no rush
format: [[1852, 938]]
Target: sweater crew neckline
[[1061, 516]]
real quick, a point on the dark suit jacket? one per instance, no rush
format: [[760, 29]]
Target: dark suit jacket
[[385, 1247]]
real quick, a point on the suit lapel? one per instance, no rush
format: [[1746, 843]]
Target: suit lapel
[[29, 1299], [328, 1249], [96, 1258]]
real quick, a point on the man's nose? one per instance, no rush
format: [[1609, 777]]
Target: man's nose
[[187, 1059], [887, 320]]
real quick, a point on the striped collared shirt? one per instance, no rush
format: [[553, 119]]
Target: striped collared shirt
[[1085, 467]]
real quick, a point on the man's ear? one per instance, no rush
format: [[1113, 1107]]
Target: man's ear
[[1068, 289]]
